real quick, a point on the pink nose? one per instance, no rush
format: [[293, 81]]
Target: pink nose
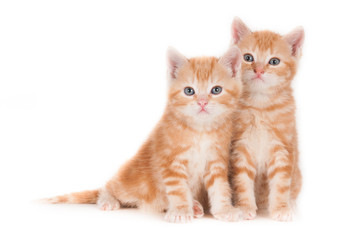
[[202, 102], [259, 71]]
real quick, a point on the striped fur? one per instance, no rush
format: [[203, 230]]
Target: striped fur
[[265, 172], [183, 166]]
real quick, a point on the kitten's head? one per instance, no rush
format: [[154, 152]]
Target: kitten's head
[[204, 90], [269, 59]]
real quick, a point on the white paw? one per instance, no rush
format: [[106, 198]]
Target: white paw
[[248, 213], [109, 206], [175, 216], [283, 214], [107, 202], [198, 209], [229, 214]]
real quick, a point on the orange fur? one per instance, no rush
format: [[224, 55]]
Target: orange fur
[[265, 156], [79, 197], [186, 156]]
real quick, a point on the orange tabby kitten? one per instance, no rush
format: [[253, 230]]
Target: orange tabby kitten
[[184, 163], [265, 154]]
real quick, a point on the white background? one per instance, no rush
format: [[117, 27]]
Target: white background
[[82, 83]]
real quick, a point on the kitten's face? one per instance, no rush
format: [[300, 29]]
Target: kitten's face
[[267, 61], [205, 90]]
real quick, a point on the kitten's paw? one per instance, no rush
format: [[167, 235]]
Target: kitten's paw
[[107, 202], [228, 214], [109, 206], [198, 209], [176, 216], [248, 213], [284, 214]]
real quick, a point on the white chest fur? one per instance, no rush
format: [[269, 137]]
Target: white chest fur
[[201, 151], [258, 139]]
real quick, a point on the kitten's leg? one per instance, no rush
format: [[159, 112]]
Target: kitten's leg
[[178, 193], [279, 176], [198, 209], [244, 171], [218, 188], [106, 201], [296, 182]]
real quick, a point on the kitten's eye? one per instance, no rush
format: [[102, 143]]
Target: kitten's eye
[[274, 61], [216, 90], [248, 58], [189, 91]]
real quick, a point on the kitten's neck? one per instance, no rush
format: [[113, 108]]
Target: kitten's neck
[[266, 99]]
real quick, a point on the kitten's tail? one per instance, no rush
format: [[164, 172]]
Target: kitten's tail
[[77, 197]]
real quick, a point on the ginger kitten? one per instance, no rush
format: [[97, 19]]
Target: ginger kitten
[[265, 154], [184, 163]]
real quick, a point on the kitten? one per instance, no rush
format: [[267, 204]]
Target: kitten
[[184, 163], [265, 153]]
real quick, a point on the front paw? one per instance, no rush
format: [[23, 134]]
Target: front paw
[[248, 213], [228, 214], [179, 216], [283, 214], [108, 203], [198, 209]]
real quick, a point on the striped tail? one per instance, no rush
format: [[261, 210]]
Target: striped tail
[[77, 197]]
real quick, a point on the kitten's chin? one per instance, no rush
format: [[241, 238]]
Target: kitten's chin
[[205, 121], [257, 84], [262, 84], [203, 114], [202, 118]]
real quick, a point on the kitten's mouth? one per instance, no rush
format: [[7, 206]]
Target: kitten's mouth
[[256, 78], [203, 111]]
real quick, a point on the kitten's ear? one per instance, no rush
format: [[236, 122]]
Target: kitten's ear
[[238, 30], [232, 60], [295, 39], [174, 61]]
